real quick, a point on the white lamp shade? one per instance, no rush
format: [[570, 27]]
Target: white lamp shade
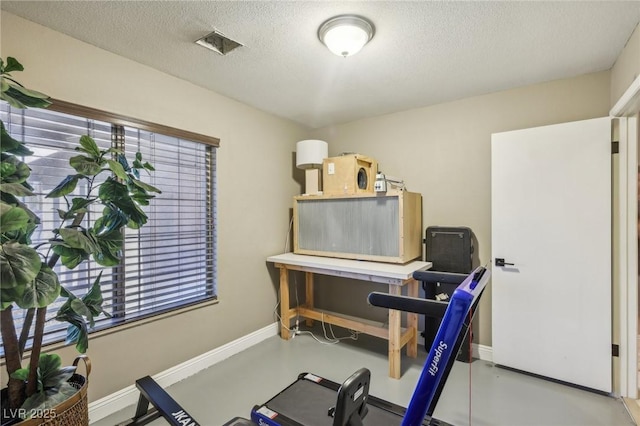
[[310, 153]]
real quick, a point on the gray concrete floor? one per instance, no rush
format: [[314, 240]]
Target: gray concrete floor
[[498, 396]]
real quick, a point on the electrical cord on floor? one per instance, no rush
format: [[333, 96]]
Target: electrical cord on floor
[[354, 334], [329, 341]]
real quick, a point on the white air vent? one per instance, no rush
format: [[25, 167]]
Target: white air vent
[[218, 42]]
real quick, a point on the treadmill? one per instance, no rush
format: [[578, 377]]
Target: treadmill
[[315, 401]]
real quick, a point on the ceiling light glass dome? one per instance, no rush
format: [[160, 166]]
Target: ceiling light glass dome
[[346, 35]]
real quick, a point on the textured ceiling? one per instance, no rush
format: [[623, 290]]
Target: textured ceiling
[[423, 52]]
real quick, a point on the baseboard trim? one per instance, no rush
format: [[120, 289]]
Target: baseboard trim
[[123, 398], [483, 352]]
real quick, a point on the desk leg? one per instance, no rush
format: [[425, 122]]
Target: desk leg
[[412, 320], [309, 294], [285, 320], [394, 336]]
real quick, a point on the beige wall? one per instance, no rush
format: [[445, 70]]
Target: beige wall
[[444, 152], [626, 68], [255, 187]]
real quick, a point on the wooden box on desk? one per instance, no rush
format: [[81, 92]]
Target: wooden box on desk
[[376, 227], [348, 174]]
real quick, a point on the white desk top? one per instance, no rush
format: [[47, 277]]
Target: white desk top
[[379, 269]]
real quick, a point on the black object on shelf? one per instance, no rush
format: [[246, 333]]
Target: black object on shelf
[[450, 250]]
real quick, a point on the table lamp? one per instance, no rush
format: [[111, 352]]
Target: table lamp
[[309, 156]]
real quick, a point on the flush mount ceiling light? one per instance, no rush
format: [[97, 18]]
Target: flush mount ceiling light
[[345, 35]]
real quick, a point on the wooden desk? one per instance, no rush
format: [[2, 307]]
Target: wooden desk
[[396, 276]]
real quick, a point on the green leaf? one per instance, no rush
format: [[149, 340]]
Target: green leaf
[[78, 205], [142, 198], [17, 189], [105, 258], [148, 166], [7, 169], [77, 330], [36, 99], [43, 291], [19, 264], [6, 96], [81, 309], [9, 295], [12, 65], [93, 299], [66, 293], [9, 199], [111, 219], [21, 151], [22, 173], [77, 240], [51, 377], [117, 195], [145, 186], [109, 245], [20, 374], [70, 257], [84, 165], [122, 159], [49, 364], [58, 378], [65, 309], [79, 336], [111, 189], [89, 146], [137, 218], [46, 401], [65, 187], [25, 97], [10, 145], [12, 218], [13, 170], [89, 306], [33, 217], [117, 169], [138, 156]]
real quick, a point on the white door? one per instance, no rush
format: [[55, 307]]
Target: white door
[[551, 219]]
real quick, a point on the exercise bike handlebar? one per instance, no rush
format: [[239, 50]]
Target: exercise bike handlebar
[[430, 308]]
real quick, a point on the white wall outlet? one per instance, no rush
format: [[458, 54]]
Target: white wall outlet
[[331, 168]]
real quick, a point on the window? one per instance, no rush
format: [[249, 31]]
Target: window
[[168, 263]]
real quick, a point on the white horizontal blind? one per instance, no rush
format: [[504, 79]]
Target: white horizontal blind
[[168, 263]]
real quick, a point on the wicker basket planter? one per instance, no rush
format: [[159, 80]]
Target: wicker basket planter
[[72, 412]]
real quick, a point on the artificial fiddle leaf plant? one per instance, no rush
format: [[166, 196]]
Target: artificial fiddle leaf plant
[[28, 278]]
